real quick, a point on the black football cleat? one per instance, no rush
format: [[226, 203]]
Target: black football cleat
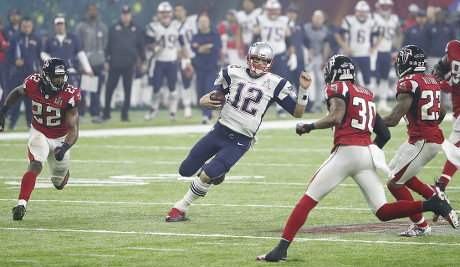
[[276, 255], [18, 212], [439, 204]]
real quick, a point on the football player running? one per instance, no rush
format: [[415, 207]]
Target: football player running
[[418, 100], [162, 38], [447, 72], [54, 127], [352, 114], [250, 92]]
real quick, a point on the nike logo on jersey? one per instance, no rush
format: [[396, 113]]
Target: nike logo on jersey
[[240, 144]]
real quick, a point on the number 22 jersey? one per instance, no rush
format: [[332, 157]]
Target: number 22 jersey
[[49, 110]]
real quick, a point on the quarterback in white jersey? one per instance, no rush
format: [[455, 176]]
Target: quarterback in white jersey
[[163, 38], [243, 94]]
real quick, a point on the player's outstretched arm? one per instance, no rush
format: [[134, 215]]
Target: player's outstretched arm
[[10, 100], [404, 101], [336, 112]]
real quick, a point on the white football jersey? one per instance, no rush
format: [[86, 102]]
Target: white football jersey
[[273, 32], [248, 98], [247, 22], [359, 34], [187, 29], [166, 37], [387, 27]]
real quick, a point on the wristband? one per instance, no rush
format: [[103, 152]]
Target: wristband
[[302, 98], [310, 127]]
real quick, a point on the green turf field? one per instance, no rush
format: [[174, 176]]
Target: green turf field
[[112, 211]]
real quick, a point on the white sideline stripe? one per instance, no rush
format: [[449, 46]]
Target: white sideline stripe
[[79, 160], [224, 236], [15, 260], [159, 249], [165, 130], [170, 130], [225, 244], [90, 255]]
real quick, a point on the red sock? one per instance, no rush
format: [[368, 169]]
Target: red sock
[[422, 189], [399, 209], [298, 217], [27, 185], [402, 193]]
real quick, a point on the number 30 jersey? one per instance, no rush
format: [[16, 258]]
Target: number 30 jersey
[[422, 117], [358, 122], [49, 110], [453, 52], [249, 98]]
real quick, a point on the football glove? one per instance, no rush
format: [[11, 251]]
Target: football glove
[[302, 128], [59, 151], [3, 111], [445, 86], [292, 62]]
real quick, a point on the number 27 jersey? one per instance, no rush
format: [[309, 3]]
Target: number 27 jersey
[[49, 111]]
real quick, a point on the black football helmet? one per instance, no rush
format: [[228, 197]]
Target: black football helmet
[[339, 68], [52, 68], [411, 59]]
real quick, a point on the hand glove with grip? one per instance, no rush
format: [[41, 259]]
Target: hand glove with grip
[[292, 62], [3, 111], [302, 128], [445, 86], [59, 151]]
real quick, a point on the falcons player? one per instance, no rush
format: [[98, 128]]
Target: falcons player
[[162, 39], [250, 92], [447, 71], [353, 118], [418, 100], [54, 128]]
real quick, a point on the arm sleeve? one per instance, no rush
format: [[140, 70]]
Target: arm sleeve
[[288, 104], [382, 132]]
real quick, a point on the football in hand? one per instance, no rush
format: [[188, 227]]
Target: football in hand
[[219, 96]]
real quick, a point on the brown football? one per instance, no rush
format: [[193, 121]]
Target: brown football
[[219, 96]]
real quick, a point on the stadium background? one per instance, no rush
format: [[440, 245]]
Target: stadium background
[[42, 11]]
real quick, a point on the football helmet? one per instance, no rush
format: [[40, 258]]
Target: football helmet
[[263, 51], [164, 12], [273, 8], [339, 68], [362, 10], [52, 68], [385, 7], [411, 59]]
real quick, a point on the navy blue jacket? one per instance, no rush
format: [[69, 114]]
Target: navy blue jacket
[[438, 36], [206, 61], [27, 48], [68, 51]]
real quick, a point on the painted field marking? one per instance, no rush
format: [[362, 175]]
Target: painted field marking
[[225, 236], [224, 244], [88, 255], [159, 249]]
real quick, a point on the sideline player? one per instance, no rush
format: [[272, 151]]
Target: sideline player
[[54, 128], [162, 39], [352, 114], [418, 100], [250, 92]]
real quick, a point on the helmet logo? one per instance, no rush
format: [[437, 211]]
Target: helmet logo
[[405, 53], [59, 70]]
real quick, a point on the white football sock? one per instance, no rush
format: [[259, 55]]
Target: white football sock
[[22, 202], [197, 189]]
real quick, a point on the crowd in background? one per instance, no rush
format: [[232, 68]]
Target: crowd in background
[[174, 60]]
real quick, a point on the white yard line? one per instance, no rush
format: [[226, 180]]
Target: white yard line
[[224, 236]]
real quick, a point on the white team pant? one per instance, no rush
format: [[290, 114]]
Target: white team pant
[[41, 148], [454, 136], [410, 159], [354, 161]]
